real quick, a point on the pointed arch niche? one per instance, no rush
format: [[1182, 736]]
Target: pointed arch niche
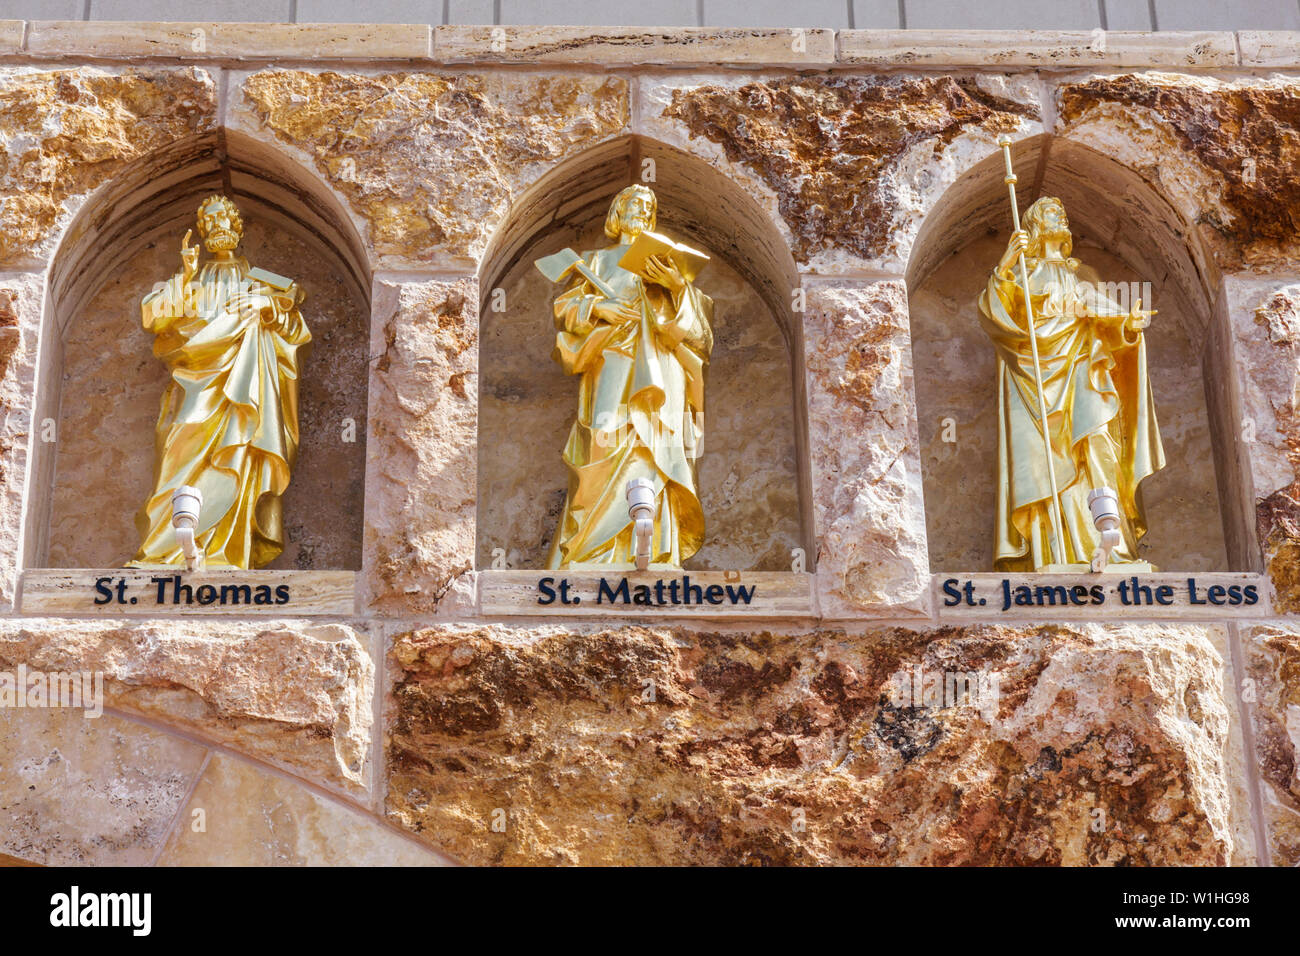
[[100, 382], [754, 471], [1127, 232]]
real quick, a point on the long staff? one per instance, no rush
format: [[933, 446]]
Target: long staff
[[1055, 509]]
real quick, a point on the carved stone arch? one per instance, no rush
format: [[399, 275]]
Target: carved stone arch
[[1132, 234], [759, 516], [85, 487]]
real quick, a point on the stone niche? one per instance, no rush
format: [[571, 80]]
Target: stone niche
[[753, 473], [1125, 231], [102, 386]]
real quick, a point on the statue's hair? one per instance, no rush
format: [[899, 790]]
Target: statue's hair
[[614, 220], [1033, 222], [236, 220]]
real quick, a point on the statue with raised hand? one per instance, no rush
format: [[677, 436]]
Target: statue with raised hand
[[232, 338]]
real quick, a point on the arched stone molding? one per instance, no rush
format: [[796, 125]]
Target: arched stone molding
[[754, 475], [124, 238], [1133, 235]]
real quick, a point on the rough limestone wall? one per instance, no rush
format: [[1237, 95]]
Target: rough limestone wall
[[415, 731]]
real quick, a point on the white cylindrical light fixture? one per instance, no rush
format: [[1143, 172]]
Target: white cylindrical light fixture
[[641, 509], [1104, 505], [187, 504]]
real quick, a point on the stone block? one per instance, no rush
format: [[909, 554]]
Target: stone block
[[421, 474], [962, 746], [998, 49], [1229, 177], [1271, 691], [295, 695], [20, 322], [612, 46], [849, 162], [56, 39], [431, 162], [1276, 48], [11, 33], [253, 818], [81, 791], [1262, 319], [872, 558], [74, 129]]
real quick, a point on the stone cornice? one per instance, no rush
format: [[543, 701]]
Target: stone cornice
[[679, 47]]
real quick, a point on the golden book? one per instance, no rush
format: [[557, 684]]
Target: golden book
[[274, 280], [689, 261]]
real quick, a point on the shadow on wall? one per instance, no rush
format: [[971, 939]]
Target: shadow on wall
[[753, 471], [101, 377], [1126, 232]]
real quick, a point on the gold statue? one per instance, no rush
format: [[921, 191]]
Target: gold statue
[[638, 331], [1086, 367], [231, 336]]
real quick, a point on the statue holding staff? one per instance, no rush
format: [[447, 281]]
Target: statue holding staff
[[232, 338], [1076, 416], [634, 327]]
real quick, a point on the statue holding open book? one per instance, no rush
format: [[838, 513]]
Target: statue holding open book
[[227, 436], [632, 324]]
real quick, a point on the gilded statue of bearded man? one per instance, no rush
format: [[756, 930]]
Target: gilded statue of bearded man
[[1100, 411], [642, 355], [232, 338]]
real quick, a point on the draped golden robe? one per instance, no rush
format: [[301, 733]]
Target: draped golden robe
[[1101, 415], [640, 415], [228, 424]]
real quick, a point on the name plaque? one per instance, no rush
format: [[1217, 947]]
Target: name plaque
[[647, 593], [1107, 596], [159, 592]]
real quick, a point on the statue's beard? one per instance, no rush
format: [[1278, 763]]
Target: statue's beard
[[221, 240], [635, 225]]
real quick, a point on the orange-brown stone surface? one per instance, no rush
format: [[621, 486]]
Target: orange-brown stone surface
[[9, 336], [1103, 746], [65, 132], [1244, 137], [827, 145], [432, 161]]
